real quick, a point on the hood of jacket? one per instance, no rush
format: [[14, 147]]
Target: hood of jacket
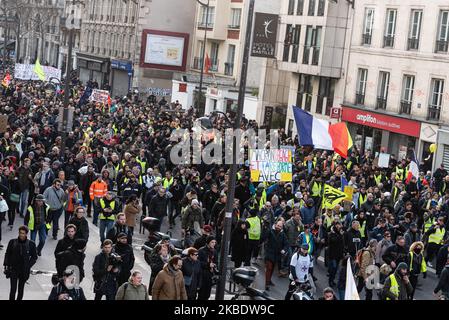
[[415, 244]]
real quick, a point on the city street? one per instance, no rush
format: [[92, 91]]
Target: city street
[[39, 285]]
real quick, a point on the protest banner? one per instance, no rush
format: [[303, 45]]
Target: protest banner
[[26, 72], [271, 165], [99, 96]]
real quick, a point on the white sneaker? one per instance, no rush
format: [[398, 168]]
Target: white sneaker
[[430, 265]]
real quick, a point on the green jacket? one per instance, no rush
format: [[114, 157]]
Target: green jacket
[[128, 291]]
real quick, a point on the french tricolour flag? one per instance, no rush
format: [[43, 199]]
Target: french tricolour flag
[[413, 170], [320, 134]]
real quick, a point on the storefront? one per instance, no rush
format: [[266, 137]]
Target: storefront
[[122, 73], [379, 132], [93, 68]]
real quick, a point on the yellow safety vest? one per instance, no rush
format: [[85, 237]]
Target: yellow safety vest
[[103, 205], [316, 189], [362, 229], [31, 220], [378, 179], [394, 288], [254, 230], [313, 164], [400, 173], [438, 236], [395, 193], [167, 183], [428, 223], [362, 199], [423, 263], [328, 221], [143, 164]]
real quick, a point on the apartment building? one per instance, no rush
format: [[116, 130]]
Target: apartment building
[[396, 95], [314, 51], [40, 30], [224, 23], [70, 11]]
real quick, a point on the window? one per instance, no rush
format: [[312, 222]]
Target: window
[[415, 30], [361, 85], [207, 15], [408, 85], [382, 90], [308, 45], [321, 6], [436, 99], [390, 28], [316, 46], [304, 89], [235, 18], [229, 65], [368, 26], [291, 7], [311, 8], [295, 43], [443, 32], [300, 8], [287, 42], [214, 57], [323, 91]]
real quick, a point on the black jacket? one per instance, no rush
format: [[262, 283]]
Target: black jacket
[[441, 258], [70, 257], [200, 242], [443, 283], [82, 228], [20, 256], [115, 230], [242, 193], [207, 256], [63, 245], [216, 209], [396, 253], [127, 254], [60, 288], [336, 245], [351, 247], [239, 243], [191, 271], [158, 206], [156, 264]]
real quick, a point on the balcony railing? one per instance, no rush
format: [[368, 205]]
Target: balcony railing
[[229, 69], [442, 46], [381, 103], [197, 63], [359, 98], [315, 56], [413, 44], [433, 113], [366, 38], [406, 107], [388, 41], [234, 26], [202, 24]]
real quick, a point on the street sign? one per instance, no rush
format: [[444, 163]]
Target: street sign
[[335, 112]]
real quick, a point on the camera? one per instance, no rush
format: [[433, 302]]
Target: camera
[[114, 260]]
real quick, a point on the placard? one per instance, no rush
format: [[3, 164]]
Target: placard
[[26, 72], [384, 160], [271, 165], [99, 96]]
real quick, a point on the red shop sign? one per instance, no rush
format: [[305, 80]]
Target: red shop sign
[[381, 121]]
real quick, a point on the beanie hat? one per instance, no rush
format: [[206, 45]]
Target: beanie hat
[[401, 266], [209, 239], [121, 235]]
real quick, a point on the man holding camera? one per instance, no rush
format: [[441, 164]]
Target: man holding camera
[[106, 268]]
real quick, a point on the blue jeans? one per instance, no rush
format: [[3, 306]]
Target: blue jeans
[[55, 215], [105, 226], [23, 202], [42, 229], [332, 269]]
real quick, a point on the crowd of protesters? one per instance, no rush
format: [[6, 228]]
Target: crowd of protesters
[[114, 168]]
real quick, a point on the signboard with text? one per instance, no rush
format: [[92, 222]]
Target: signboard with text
[[264, 37], [26, 72], [99, 96], [271, 165]]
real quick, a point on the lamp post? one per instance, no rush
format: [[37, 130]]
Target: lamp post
[[203, 56], [233, 172]]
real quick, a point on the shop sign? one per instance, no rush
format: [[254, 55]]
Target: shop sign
[[381, 121], [335, 112], [122, 65]]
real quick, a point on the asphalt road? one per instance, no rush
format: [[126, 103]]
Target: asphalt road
[[39, 285]]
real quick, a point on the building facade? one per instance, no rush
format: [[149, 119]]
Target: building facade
[[224, 23], [396, 95], [40, 31], [75, 12], [314, 51]]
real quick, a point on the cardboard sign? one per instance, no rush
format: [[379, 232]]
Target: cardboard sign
[[26, 72], [349, 191], [384, 160], [99, 96], [272, 165]]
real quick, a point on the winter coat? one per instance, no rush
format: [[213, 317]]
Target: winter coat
[[127, 254], [70, 257], [292, 231], [350, 246], [275, 243], [82, 228], [417, 264], [216, 209], [441, 259], [131, 212], [206, 256], [169, 285], [191, 216], [115, 230], [63, 245], [192, 273], [411, 237], [307, 215], [336, 245], [239, 243], [443, 283], [395, 253], [382, 247], [367, 260], [60, 288], [156, 265], [158, 206], [20, 256], [404, 289], [128, 291]]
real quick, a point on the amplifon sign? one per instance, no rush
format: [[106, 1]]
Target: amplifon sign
[[381, 121]]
